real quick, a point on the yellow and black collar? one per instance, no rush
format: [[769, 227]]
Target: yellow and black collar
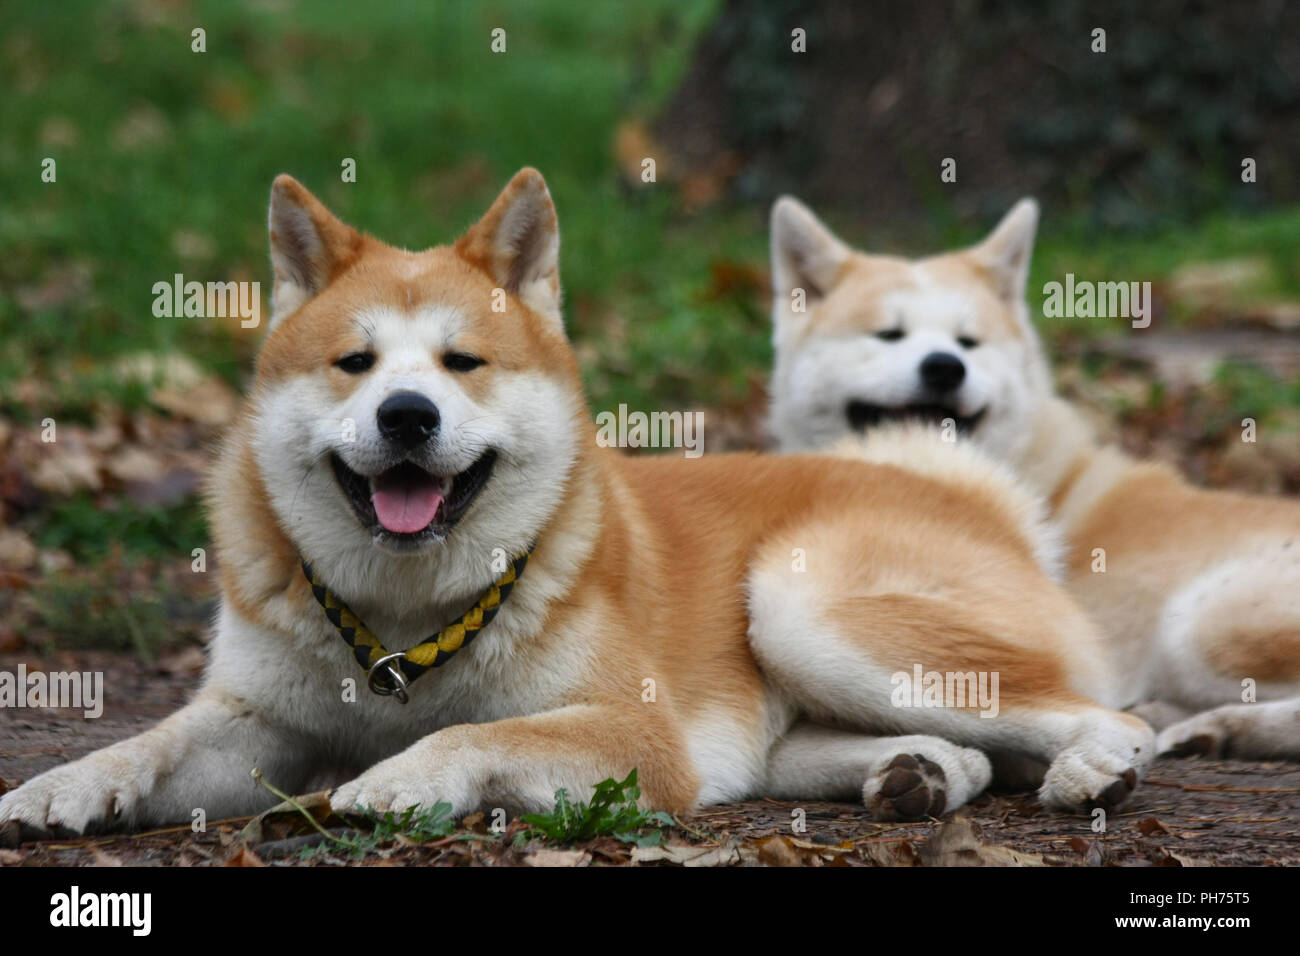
[[381, 675]]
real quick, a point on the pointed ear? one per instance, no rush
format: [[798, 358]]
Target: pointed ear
[[1006, 253], [517, 243], [309, 246], [805, 254]]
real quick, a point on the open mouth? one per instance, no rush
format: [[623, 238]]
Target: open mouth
[[407, 503], [864, 415]]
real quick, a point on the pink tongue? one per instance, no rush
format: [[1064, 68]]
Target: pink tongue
[[404, 508]]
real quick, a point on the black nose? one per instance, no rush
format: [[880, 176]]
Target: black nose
[[408, 418], [942, 371]]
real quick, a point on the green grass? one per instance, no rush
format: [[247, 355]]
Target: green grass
[[165, 157], [613, 811], [152, 140], [90, 531], [155, 142]]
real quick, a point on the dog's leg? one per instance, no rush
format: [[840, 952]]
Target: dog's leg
[[898, 778], [1269, 730], [519, 763], [199, 758], [839, 657]]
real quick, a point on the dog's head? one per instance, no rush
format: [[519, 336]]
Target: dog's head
[[865, 339], [409, 402]]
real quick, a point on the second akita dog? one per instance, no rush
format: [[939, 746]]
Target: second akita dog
[[416, 443], [1195, 589]]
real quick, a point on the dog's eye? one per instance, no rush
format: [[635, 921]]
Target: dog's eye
[[356, 362], [966, 342], [461, 362], [890, 335]]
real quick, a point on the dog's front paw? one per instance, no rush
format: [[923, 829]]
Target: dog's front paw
[[1082, 779], [95, 792], [415, 777], [938, 777]]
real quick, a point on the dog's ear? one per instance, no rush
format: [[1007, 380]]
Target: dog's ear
[[805, 254], [309, 246], [517, 243], [1005, 254]]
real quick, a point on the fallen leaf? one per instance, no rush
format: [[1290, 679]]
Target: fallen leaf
[[136, 464], [686, 855], [211, 402], [1149, 825], [550, 857], [245, 857], [959, 842], [65, 471], [17, 552], [100, 858], [283, 819], [777, 851]]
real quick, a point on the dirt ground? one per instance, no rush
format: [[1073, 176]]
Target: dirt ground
[[1190, 812]]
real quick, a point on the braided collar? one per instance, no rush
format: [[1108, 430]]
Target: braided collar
[[390, 673]]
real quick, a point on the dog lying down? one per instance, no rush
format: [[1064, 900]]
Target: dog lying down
[[416, 458]]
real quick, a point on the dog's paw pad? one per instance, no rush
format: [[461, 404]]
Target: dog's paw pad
[[1199, 745], [910, 787], [1082, 781], [1191, 739], [1115, 794]]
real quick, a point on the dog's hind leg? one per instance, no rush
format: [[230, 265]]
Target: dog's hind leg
[[1236, 625], [898, 778], [1017, 663], [1267, 730]]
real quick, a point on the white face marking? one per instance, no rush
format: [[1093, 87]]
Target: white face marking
[[408, 359], [815, 380], [526, 418]]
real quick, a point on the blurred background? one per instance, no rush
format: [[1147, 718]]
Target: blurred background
[[164, 158]]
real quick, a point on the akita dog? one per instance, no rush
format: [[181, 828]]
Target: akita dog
[[727, 625], [1195, 590]]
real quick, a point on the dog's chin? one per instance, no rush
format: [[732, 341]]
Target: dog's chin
[[863, 415], [392, 505]]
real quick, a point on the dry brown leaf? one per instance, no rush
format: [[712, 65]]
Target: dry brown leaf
[[65, 471], [777, 851], [99, 858], [284, 820], [959, 842], [245, 857], [211, 402], [136, 464], [889, 853], [17, 552], [547, 856], [684, 854]]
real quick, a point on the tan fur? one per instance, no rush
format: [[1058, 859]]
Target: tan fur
[[1159, 534], [1195, 590], [661, 623]]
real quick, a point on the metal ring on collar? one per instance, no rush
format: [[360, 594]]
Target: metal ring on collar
[[391, 684]]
